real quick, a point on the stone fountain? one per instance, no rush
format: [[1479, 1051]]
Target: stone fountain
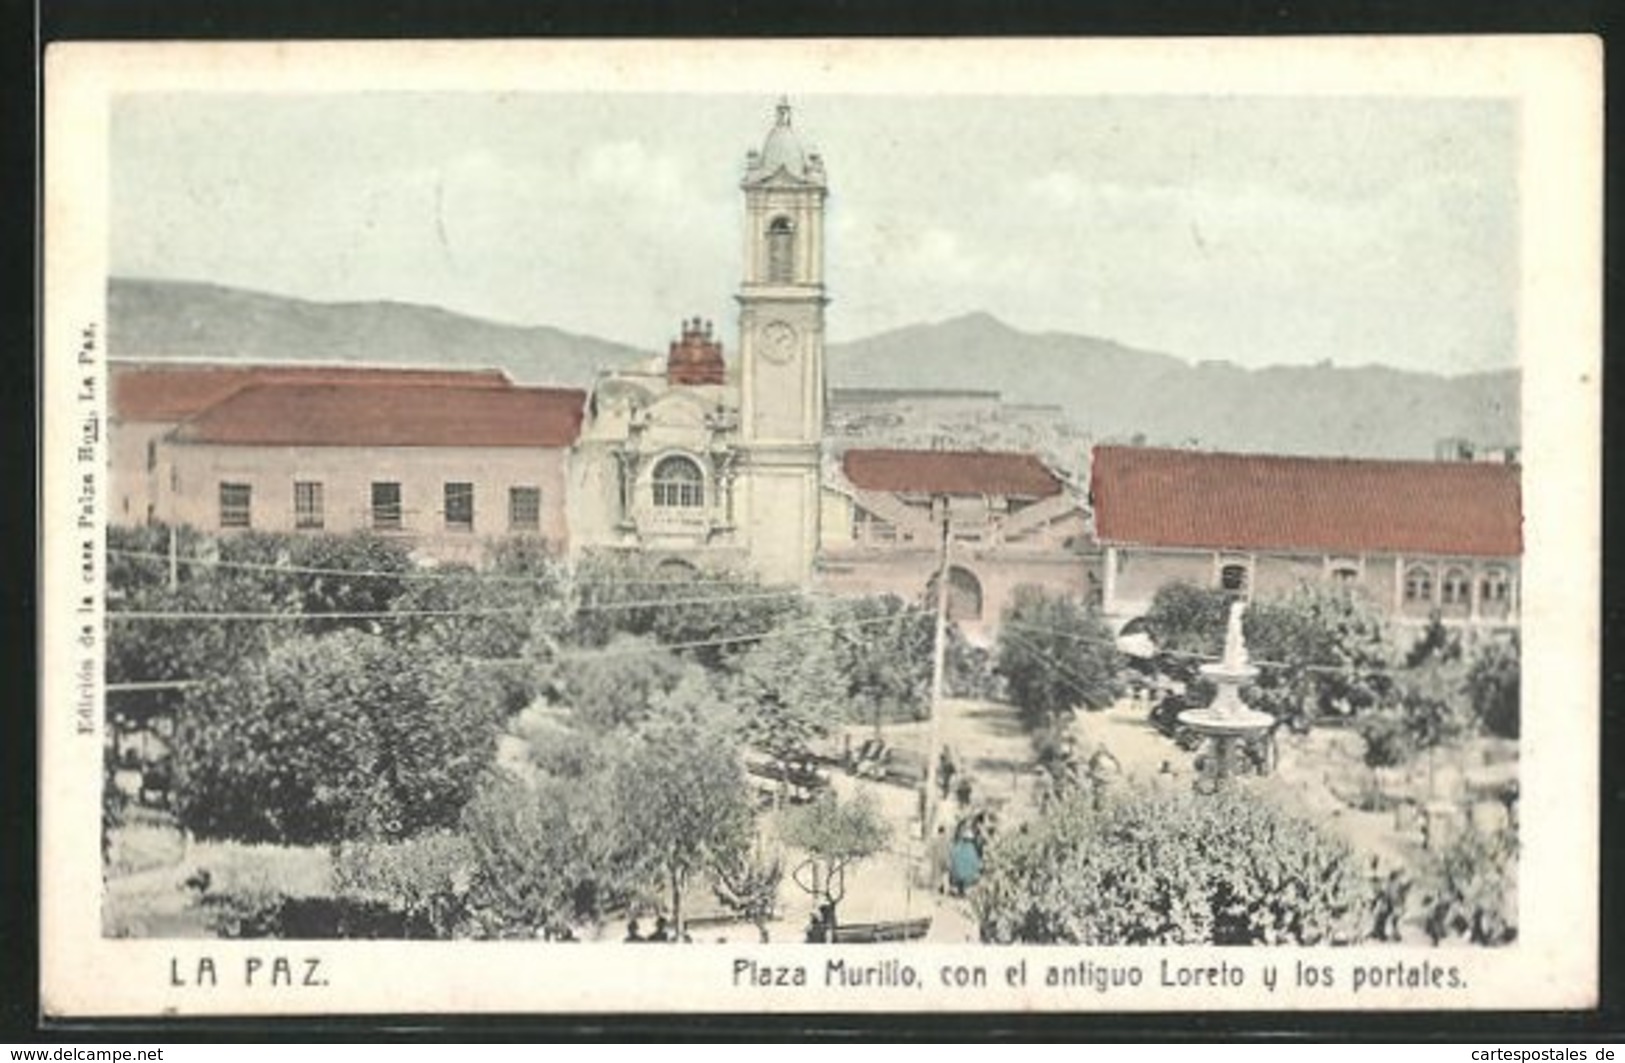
[[1228, 724]]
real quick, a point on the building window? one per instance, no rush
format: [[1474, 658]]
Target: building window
[[678, 482], [524, 508], [1233, 578], [1345, 574], [460, 506], [386, 506], [307, 505], [781, 247], [868, 528], [1418, 584], [1496, 588], [236, 505], [1455, 588], [152, 454]]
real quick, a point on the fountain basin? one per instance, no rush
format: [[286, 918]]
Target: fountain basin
[[1234, 723], [1225, 672]]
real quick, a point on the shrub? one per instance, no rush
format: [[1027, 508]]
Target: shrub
[[1471, 889], [1172, 869], [614, 690], [426, 880], [1389, 740]]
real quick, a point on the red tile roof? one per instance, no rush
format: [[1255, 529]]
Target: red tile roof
[[950, 472], [1151, 497], [390, 415], [149, 392]]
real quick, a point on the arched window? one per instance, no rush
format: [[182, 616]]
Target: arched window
[[678, 482], [1495, 592], [1455, 588], [1233, 578], [781, 248], [1418, 584]]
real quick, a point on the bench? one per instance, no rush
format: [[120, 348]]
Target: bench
[[876, 933], [803, 783]]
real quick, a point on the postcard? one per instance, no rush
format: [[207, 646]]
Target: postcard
[[823, 525]]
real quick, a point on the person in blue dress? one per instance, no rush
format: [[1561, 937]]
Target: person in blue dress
[[964, 864]]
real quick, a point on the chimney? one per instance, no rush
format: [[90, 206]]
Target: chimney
[[696, 358]]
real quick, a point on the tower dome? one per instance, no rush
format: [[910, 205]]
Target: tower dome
[[783, 151]]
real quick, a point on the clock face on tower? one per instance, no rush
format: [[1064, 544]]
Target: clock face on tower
[[778, 342]]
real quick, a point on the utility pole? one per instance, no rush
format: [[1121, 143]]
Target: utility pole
[[939, 663]]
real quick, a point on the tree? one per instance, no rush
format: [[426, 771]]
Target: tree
[[882, 647], [178, 646], [789, 692], [382, 567], [748, 886], [1056, 654], [1187, 624], [334, 737], [1438, 643], [683, 801], [256, 573], [836, 834], [549, 853], [1323, 650], [614, 689], [1172, 868], [502, 602], [1427, 705], [1493, 684], [637, 595]]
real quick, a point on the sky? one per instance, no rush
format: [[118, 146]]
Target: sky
[[1262, 231]]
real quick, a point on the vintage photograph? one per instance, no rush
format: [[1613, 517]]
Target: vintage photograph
[[729, 517]]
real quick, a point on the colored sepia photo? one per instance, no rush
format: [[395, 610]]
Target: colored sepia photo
[[819, 517]]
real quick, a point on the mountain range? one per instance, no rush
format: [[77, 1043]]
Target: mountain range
[[1113, 391]]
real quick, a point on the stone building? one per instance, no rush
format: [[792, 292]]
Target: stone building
[[443, 460], [151, 399], [1418, 538], [1007, 518]]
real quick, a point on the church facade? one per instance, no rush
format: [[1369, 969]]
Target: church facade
[[709, 463]]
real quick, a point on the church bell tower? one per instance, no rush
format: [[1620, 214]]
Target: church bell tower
[[781, 344]]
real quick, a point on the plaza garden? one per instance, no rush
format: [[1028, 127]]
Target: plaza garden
[[316, 736]]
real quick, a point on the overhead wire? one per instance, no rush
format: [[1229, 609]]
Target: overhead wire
[[1333, 669], [422, 574], [589, 654]]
